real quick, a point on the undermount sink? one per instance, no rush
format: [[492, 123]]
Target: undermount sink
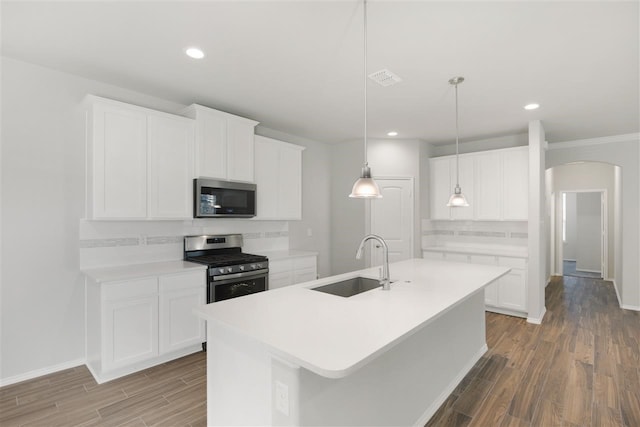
[[349, 287]]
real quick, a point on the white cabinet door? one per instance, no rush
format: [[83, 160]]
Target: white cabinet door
[[240, 146], [266, 175], [118, 152], [170, 167], [456, 257], [179, 295], [512, 291], [224, 144], [278, 175], [491, 293], [440, 174], [130, 330], [290, 182], [488, 188], [467, 183], [211, 143], [515, 184]]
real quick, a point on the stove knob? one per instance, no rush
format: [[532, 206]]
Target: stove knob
[[229, 270], [221, 270], [241, 268], [259, 265], [253, 266]]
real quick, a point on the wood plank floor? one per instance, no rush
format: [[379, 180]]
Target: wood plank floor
[[581, 367], [171, 394]]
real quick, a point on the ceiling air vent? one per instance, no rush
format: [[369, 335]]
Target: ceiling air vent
[[385, 78]]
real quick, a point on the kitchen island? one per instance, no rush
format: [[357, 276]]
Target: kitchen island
[[296, 356]]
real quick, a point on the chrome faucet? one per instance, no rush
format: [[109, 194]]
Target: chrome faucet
[[384, 280]]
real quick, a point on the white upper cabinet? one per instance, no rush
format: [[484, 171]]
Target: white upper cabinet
[[117, 157], [140, 162], [278, 173], [443, 181], [440, 174], [488, 186], [467, 183], [494, 182], [515, 181], [224, 144], [170, 167]]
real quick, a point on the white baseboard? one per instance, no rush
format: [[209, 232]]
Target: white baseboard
[[630, 307], [537, 320], [40, 372], [452, 386], [584, 270], [572, 260]]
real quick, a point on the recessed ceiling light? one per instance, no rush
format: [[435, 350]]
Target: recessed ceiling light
[[532, 106], [392, 133], [194, 53]]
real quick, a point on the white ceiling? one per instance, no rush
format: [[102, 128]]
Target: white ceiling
[[296, 66]]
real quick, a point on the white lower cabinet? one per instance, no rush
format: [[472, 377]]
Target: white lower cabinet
[[138, 323], [179, 327], [293, 270], [508, 294]]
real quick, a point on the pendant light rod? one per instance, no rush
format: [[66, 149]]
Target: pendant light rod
[[365, 187], [455, 81], [365, 83]]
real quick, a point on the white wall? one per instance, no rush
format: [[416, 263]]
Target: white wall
[[588, 224], [507, 141], [569, 250], [625, 154], [347, 214]]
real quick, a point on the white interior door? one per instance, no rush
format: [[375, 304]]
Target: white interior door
[[392, 219]]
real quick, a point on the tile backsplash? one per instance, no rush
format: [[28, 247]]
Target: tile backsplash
[[112, 243], [511, 233]]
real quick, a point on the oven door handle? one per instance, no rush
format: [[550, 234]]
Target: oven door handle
[[244, 275]]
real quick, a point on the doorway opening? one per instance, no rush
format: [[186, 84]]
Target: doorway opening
[[584, 233]]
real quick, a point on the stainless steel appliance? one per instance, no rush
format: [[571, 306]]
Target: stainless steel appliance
[[231, 273], [215, 198]]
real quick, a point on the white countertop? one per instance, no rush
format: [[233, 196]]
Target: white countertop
[[333, 336], [133, 271], [509, 251], [290, 253]]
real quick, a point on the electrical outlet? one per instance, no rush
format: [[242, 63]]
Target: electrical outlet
[[282, 398]]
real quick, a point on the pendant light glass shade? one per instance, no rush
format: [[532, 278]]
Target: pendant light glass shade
[[457, 199], [365, 187]]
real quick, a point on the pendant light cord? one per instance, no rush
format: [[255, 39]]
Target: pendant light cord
[[365, 83], [457, 159]]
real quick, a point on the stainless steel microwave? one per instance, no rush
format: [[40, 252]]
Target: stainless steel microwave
[[223, 199]]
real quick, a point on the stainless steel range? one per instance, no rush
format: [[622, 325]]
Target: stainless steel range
[[231, 273]]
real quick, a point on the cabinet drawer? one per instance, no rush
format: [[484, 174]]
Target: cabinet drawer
[[432, 255], [512, 262], [278, 280], [304, 262], [280, 266], [130, 289], [174, 282], [305, 275], [456, 257], [484, 259]]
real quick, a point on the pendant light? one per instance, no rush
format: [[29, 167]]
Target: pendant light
[[365, 187], [457, 199]]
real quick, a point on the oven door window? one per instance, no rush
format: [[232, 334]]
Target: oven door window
[[238, 287]]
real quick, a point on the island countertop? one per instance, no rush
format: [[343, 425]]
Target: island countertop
[[333, 336]]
